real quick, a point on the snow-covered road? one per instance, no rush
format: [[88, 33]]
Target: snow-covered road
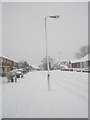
[[30, 98]]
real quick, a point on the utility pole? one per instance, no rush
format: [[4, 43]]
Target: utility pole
[[59, 56]]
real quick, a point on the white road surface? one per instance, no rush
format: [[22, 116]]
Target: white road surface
[[30, 98]]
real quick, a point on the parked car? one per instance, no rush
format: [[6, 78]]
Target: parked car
[[19, 74], [64, 68], [86, 70], [25, 71], [11, 76]]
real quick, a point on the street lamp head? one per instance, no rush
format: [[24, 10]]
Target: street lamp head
[[55, 16]]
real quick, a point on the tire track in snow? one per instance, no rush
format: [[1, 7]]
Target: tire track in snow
[[62, 79], [71, 91], [76, 79]]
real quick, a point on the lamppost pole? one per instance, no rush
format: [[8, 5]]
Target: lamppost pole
[[48, 75]]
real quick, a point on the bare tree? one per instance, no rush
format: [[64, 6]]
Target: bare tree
[[23, 64], [84, 50], [44, 62]]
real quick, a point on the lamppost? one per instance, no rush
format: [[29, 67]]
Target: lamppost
[[48, 75]]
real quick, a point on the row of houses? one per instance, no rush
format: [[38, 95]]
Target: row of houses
[[82, 64], [4, 61], [7, 64]]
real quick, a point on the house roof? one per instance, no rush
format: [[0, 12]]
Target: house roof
[[86, 58], [35, 66], [8, 58]]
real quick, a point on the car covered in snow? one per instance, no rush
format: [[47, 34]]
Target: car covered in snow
[[64, 67], [11, 77], [14, 74], [19, 74], [86, 70]]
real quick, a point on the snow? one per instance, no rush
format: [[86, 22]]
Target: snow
[[8, 58], [86, 58], [35, 66], [30, 98]]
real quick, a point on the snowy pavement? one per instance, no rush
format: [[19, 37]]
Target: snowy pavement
[[30, 98]]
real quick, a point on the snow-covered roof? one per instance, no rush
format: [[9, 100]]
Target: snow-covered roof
[[9, 58], [86, 58], [35, 66]]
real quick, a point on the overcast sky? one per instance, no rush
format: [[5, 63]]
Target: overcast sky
[[23, 30]]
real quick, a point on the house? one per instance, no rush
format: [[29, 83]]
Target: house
[[35, 67], [82, 64], [67, 64], [55, 66], [7, 64]]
